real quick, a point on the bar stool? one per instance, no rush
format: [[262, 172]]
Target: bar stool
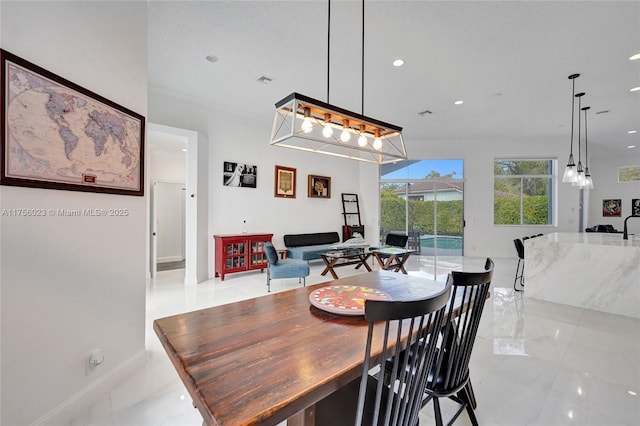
[[519, 272]]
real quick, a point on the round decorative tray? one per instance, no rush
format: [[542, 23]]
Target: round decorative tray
[[345, 299]]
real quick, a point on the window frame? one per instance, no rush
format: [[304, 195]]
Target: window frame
[[552, 190]]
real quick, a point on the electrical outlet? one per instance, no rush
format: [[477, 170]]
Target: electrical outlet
[[96, 358]]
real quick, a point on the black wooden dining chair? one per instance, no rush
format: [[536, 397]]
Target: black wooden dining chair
[[392, 397], [450, 376], [519, 279]]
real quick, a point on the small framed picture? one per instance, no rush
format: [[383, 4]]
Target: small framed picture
[[285, 182], [612, 208], [239, 174], [319, 186], [635, 207]]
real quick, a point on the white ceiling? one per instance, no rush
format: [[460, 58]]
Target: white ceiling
[[507, 60]]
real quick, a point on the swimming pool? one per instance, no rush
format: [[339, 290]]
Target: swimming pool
[[444, 242]]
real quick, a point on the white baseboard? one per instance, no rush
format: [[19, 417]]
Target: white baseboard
[[74, 406]]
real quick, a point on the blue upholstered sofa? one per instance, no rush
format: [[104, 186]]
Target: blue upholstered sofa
[[309, 246]]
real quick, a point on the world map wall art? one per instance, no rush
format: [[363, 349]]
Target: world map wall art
[[58, 135]]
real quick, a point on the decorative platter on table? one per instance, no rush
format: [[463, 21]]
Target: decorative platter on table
[[345, 299]]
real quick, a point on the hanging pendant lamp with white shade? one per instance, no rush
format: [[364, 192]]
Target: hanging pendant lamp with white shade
[[588, 182], [579, 169], [570, 175]]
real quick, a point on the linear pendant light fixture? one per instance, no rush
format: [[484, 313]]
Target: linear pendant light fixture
[[570, 175], [311, 125]]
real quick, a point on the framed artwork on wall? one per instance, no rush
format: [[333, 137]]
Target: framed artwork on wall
[[635, 207], [319, 186], [239, 175], [285, 182], [612, 208], [628, 174], [58, 135]]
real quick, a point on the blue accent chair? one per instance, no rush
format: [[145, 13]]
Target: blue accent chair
[[284, 268]]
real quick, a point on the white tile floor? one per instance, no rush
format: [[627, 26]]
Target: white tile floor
[[534, 362]]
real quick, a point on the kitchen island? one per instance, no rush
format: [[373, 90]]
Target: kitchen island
[[589, 270]]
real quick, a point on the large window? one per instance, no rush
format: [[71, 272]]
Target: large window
[[523, 192]]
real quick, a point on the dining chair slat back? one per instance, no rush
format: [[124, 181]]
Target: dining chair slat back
[[392, 397], [450, 378]]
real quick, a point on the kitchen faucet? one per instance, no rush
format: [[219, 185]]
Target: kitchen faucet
[[625, 235]]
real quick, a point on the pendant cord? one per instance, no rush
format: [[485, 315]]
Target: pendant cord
[[586, 146], [579, 125], [328, 46], [362, 73], [573, 107]]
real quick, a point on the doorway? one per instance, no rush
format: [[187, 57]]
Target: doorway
[[424, 199], [168, 216]]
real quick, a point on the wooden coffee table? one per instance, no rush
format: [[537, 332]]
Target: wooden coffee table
[[392, 258], [338, 258]]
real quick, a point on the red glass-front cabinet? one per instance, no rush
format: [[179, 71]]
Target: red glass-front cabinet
[[239, 253]]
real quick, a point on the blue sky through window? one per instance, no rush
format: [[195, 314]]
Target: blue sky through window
[[419, 169]]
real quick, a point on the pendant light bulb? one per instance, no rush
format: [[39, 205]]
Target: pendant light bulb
[[362, 140], [327, 131], [570, 175], [306, 125], [345, 135], [588, 182], [377, 142]]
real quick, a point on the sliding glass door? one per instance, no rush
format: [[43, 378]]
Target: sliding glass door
[[424, 199]]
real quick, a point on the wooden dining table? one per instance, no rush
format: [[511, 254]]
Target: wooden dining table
[[271, 358]]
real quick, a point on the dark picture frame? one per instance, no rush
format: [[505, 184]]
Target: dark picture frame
[[59, 135], [285, 182], [319, 186], [239, 175], [635, 206], [612, 207]]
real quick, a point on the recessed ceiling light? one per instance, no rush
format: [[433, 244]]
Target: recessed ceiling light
[[398, 62], [458, 102], [631, 146], [634, 89], [212, 58], [634, 57], [632, 132], [184, 150]]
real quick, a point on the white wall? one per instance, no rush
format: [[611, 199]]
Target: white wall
[[167, 166], [234, 137], [237, 138], [604, 172], [72, 284], [482, 237]]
